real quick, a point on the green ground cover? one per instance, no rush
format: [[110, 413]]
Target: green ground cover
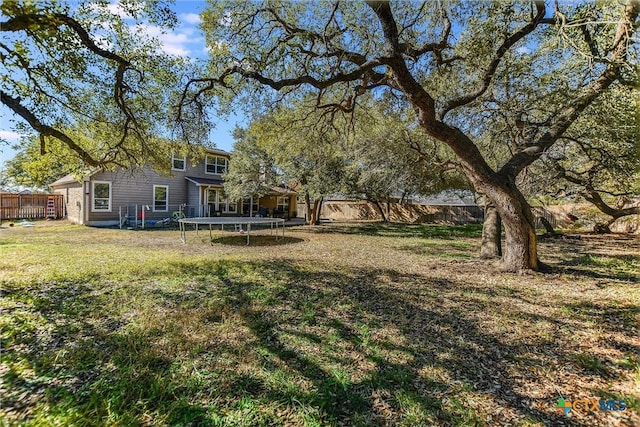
[[337, 325]]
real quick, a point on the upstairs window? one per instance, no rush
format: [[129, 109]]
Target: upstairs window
[[178, 163], [216, 165], [160, 198]]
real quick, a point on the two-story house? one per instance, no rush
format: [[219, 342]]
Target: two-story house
[[196, 189]]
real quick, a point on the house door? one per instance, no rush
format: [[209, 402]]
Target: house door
[[217, 202], [212, 200]]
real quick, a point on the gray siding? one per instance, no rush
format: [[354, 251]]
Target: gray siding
[[131, 189], [136, 188], [198, 169], [193, 199]]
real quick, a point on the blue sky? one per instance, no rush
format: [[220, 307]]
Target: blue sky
[[186, 40]]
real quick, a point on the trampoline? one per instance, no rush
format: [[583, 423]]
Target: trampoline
[[275, 223]]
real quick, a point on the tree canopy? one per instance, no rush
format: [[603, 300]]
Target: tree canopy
[[598, 158], [376, 157], [444, 60], [70, 66]]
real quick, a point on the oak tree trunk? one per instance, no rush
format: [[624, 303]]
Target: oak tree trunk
[[604, 227], [491, 233], [381, 210], [317, 208], [520, 252], [309, 215], [547, 225]]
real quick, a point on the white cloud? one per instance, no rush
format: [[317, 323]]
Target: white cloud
[[190, 18], [9, 136], [226, 20], [117, 9], [173, 43]]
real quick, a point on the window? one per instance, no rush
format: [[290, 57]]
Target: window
[[246, 206], [211, 201], [227, 205], [160, 198], [178, 163], [232, 207], [215, 164], [283, 204], [101, 201]]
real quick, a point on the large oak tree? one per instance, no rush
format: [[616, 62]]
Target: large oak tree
[[86, 76], [443, 59]]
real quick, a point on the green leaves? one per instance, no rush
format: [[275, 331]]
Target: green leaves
[[83, 67]]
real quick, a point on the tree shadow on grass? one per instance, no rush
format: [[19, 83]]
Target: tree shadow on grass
[[257, 240], [263, 343], [442, 340], [389, 229], [583, 266], [84, 370], [594, 259]]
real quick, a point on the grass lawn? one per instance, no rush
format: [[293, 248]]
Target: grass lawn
[[353, 325]]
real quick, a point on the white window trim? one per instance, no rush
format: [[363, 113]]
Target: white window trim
[[154, 198], [93, 195], [184, 163], [284, 205], [212, 156], [215, 202], [224, 203], [230, 204]]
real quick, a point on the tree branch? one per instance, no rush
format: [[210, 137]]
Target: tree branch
[[54, 21], [35, 123], [594, 197], [566, 116], [436, 48], [472, 160], [495, 62]]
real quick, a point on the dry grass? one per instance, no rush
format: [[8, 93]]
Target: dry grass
[[342, 325]]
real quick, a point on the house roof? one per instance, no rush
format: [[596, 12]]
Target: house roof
[[204, 181], [448, 198], [67, 179], [281, 190], [209, 150]]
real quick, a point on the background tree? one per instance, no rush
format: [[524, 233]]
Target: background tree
[[375, 157], [251, 169], [295, 148], [388, 157], [68, 65], [31, 168], [598, 159], [442, 58]]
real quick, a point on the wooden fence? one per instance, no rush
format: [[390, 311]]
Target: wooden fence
[[345, 210], [31, 206]]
